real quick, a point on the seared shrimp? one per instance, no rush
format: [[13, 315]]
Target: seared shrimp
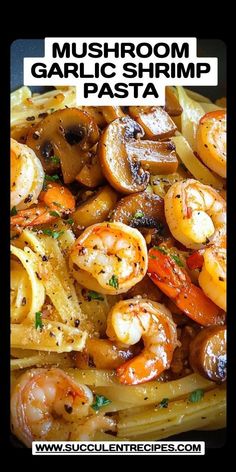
[[212, 278], [177, 285], [109, 258], [56, 200], [45, 403], [195, 214], [131, 320], [27, 176], [211, 141]]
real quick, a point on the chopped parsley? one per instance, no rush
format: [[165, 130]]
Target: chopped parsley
[[100, 401], [196, 395], [164, 403], [38, 320], [139, 214], [53, 234], [94, 295], [69, 221], [51, 178], [177, 260], [55, 213], [14, 211], [113, 282], [55, 159]]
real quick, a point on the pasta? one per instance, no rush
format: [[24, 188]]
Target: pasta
[[113, 311]]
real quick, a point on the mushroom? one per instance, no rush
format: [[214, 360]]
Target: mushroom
[[145, 212], [91, 174], [96, 208], [64, 138], [124, 156], [111, 113], [156, 123], [172, 105], [208, 353]]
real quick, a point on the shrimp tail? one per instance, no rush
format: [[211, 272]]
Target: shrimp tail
[[177, 285], [141, 368]]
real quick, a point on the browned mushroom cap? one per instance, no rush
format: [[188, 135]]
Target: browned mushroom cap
[[172, 105], [156, 123], [140, 209], [66, 135], [144, 211], [124, 173], [208, 353]]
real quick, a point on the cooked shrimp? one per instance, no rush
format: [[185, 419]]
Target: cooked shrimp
[[56, 200], [104, 354], [27, 176], [212, 278], [109, 258], [131, 320], [195, 214], [177, 285], [86, 431], [45, 403], [211, 141]]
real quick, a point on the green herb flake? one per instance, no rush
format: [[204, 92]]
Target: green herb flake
[[161, 249], [14, 211], [177, 260], [100, 401], [164, 403], [53, 234], [57, 204], [152, 257], [196, 395], [69, 221], [55, 213], [95, 296], [38, 320], [139, 214], [113, 282], [51, 178], [55, 159]]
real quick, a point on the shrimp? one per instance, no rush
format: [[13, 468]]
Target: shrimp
[[45, 403], [136, 318], [212, 278], [56, 200], [27, 176], [195, 214], [109, 258], [103, 354], [211, 141], [177, 285]]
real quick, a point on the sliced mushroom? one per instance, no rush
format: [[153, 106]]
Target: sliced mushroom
[[111, 113], [140, 209], [97, 115], [156, 123], [64, 138], [91, 174], [96, 208], [172, 105], [124, 173], [155, 157], [208, 353], [144, 211]]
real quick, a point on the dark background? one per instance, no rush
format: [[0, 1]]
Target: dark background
[[206, 47]]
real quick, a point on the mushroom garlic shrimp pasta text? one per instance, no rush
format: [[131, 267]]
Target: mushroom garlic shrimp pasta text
[[118, 267]]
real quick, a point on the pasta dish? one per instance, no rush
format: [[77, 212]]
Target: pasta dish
[[118, 267]]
